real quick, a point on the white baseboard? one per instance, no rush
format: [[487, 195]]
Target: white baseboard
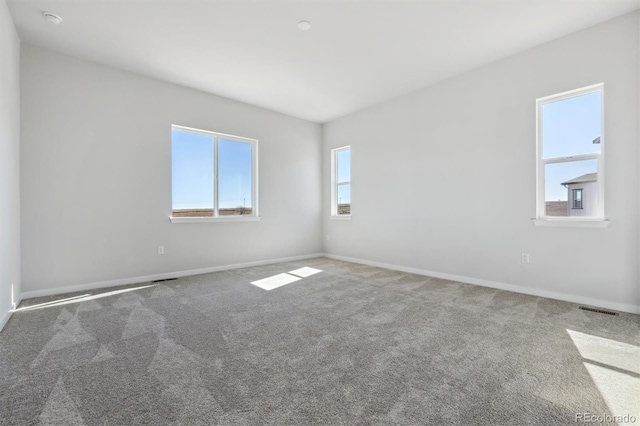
[[16, 302], [148, 278], [7, 315], [5, 319], [633, 309], [622, 307]]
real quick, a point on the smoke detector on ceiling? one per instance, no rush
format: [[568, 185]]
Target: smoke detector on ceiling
[[51, 18], [304, 25]]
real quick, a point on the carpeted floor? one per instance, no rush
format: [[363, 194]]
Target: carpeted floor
[[349, 345]]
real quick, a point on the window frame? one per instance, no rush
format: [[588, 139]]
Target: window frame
[[575, 201], [254, 216], [335, 184], [541, 218]]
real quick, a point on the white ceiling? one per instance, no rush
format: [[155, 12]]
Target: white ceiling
[[357, 53]]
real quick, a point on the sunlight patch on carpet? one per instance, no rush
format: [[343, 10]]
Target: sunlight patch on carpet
[[79, 299], [275, 281], [305, 272], [614, 368]]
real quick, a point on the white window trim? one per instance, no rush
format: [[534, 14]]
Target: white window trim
[[572, 223], [243, 218], [254, 216], [335, 184], [598, 221]]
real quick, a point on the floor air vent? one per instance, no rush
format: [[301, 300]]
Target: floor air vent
[[600, 311], [166, 279]]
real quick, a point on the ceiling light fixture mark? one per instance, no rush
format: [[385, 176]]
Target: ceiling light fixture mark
[[304, 25], [52, 18]]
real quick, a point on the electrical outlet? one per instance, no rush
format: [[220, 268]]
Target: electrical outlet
[[160, 249], [526, 258], [327, 237]]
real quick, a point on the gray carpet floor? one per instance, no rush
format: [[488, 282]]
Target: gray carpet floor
[[352, 344]]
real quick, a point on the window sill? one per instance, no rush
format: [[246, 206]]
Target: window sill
[[214, 219], [341, 217], [572, 223]]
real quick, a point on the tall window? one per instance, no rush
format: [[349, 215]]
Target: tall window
[[341, 182], [571, 152], [213, 175]]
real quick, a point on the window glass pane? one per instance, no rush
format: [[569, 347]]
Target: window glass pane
[[560, 181], [572, 126], [191, 174], [344, 199], [234, 174], [344, 165], [577, 198]]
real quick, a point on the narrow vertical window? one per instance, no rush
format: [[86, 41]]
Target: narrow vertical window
[[341, 181], [577, 198], [571, 155]]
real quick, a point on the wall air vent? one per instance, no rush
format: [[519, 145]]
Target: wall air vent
[[166, 279], [600, 311]]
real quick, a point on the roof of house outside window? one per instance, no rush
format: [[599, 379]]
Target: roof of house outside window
[[589, 177]]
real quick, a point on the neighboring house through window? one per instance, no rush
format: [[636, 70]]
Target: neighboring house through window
[[570, 146], [213, 175], [583, 193]]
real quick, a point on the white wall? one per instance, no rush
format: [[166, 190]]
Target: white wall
[[96, 177], [434, 173], [9, 163]]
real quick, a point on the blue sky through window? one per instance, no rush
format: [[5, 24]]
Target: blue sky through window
[[344, 175], [234, 159], [556, 173], [344, 166], [569, 127], [344, 194], [193, 169]]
